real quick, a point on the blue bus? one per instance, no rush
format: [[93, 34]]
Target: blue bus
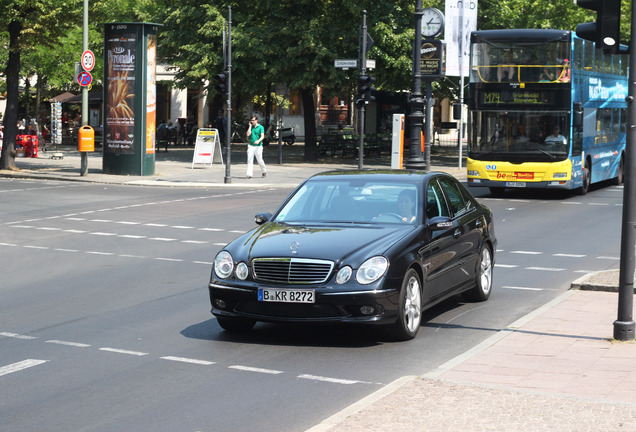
[[547, 110]]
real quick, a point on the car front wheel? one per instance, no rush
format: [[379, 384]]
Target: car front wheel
[[409, 308]]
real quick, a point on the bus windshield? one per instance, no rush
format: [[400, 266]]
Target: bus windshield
[[520, 136], [520, 61]]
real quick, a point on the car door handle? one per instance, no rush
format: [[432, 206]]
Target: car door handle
[[478, 223], [457, 233]]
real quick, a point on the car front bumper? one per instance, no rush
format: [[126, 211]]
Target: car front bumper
[[330, 306]]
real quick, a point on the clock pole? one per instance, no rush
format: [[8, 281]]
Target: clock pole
[[416, 117]]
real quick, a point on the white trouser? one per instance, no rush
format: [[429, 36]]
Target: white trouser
[[253, 151]]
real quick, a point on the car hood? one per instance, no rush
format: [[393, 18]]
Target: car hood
[[336, 242]]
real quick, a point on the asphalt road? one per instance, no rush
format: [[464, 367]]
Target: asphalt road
[[105, 323]]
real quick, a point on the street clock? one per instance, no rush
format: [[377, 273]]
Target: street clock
[[432, 22]]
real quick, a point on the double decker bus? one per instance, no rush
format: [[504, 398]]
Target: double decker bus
[[547, 110]]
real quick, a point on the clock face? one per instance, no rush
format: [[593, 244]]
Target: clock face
[[432, 22]]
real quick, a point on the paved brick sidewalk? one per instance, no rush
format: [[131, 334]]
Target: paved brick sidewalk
[[557, 369]]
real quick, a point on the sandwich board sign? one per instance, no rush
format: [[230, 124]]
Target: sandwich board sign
[[207, 147]]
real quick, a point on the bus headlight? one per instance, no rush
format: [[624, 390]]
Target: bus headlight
[[560, 175], [473, 173]]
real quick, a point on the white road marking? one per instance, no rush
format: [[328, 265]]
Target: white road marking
[[608, 258], [67, 343], [526, 252], [162, 239], [17, 336], [211, 229], [169, 259], [122, 351], [155, 225], [194, 241], [331, 380], [506, 265], [8, 244], [66, 250], [522, 288], [253, 369], [181, 227], [188, 360], [35, 247], [99, 253], [552, 269], [15, 367], [102, 234], [132, 236], [569, 255]]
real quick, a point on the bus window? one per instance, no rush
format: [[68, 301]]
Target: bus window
[[578, 60], [589, 55]]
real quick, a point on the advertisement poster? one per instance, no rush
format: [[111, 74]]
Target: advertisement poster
[[120, 101], [461, 19], [151, 93]]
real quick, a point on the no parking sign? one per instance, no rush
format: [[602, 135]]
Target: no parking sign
[[84, 78]]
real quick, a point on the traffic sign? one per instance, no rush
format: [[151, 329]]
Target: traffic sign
[[88, 60], [346, 64], [84, 78]]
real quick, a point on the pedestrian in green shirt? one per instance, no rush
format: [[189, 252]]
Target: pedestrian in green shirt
[[256, 134]]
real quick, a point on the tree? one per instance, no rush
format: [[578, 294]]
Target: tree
[[30, 23]]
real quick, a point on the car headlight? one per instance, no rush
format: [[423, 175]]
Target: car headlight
[[241, 270], [372, 270], [344, 274], [223, 264]]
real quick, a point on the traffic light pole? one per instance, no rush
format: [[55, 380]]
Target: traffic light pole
[[228, 134], [363, 72], [624, 324]]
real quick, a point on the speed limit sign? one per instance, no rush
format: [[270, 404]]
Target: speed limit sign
[[88, 60]]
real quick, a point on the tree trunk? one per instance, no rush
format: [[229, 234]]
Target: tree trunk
[[7, 160], [309, 116]]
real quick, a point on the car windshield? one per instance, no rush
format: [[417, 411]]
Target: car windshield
[[354, 201]]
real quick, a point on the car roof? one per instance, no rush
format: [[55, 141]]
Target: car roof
[[389, 175]]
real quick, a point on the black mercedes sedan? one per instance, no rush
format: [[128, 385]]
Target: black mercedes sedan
[[374, 247]]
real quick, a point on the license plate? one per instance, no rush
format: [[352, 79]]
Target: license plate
[[515, 184], [286, 295]]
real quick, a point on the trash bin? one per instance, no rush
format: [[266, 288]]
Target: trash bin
[[86, 142]]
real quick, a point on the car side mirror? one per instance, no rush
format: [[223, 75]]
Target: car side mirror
[[261, 218], [439, 223]]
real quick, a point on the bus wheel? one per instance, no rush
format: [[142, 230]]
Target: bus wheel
[[587, 177], [618, 180]]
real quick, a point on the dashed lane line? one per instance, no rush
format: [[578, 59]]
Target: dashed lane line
[[188, 360], [123, 351], [68, 343], [255, 369], [16, 367]]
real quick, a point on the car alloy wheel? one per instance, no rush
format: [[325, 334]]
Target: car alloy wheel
[[483, 276], [410, 307]]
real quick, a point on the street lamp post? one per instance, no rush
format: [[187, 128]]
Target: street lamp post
[[416, 117], [624, 324]]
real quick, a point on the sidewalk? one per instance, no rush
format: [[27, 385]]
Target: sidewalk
[[556, 369], [174, 168]]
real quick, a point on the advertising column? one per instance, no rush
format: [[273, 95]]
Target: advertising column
[[129, 98]]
